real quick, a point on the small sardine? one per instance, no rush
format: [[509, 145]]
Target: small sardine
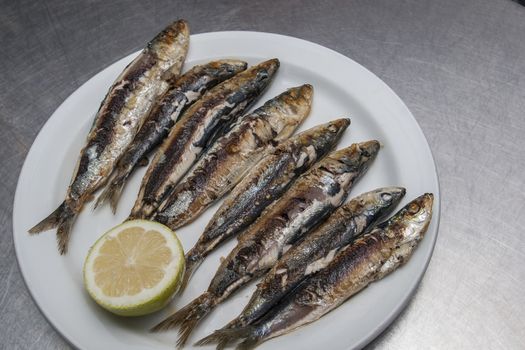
[[369, 258], [314, 196], [117, 121], [196, 129], [225, 163], [263, 185], [184, 91]]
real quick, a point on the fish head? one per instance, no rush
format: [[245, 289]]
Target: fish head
[[325, 136], [354, 159], [313, 144], [336, 127], [265, 71], [382, 200], [414, 218], [224, 69], [288, 110], [389, 196], [255, 79], [269, 66], [262, 73]]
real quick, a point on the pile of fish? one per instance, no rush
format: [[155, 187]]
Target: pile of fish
[[284, 194]]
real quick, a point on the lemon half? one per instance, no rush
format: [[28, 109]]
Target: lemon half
[[134, 268]]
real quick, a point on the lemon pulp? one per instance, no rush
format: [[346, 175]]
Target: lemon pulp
[[134, 268]]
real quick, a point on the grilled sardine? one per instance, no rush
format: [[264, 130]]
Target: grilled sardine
[[313, 197], [120, 115], [184, 91], [264, 184], [198, 127]]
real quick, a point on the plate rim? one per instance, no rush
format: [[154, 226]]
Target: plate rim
[[436, 217]]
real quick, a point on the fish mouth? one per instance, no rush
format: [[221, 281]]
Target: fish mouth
[[338, 126], [369, 147]]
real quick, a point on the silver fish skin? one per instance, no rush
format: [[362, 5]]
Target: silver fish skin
[[117, 121], [263, 185], [225, 163], [314, 196], [369, 258], [196, 129], [316, 250], [184, 91]]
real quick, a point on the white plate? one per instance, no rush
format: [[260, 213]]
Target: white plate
[[342, 88]]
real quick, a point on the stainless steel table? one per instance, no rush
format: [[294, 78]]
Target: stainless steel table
[[459, 65]]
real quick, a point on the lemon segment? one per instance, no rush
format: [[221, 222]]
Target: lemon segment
[[134, 268]]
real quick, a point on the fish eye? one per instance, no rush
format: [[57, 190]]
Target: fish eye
[[387, 197], [413, 208]]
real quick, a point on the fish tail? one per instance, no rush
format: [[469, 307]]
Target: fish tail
[[62, 218], [225, 336], [64, 232], [193, 261], [112, 193], [188, 317], [50, 222]]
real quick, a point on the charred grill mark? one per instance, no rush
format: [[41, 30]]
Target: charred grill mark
[[225, 282], [106, 121], [174, 150], [334, 189], [137, 71], [215, 128]]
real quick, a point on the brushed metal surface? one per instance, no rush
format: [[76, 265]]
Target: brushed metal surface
[[458, 65]]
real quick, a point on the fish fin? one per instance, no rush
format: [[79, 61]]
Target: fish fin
[[64, 231], [187, 317], [112, 193], [53, 220], [224, 336], [62, 218], [185, 331], [193, 261]]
